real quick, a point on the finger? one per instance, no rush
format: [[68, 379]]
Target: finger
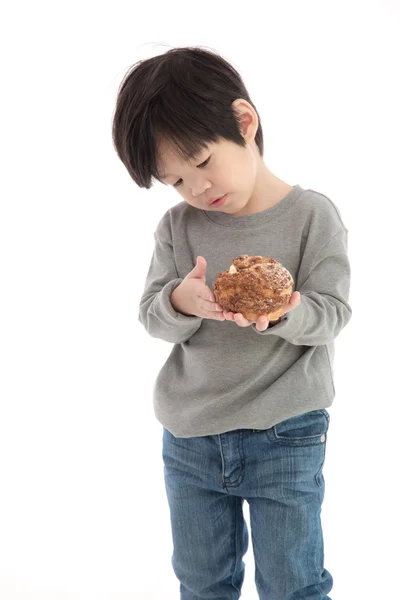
[[229, 316], [294, 302], [213, 306], [240, 320], [210, 305], [217, 316], [212, 310], [262, 323], [206, 295], [199, 270]]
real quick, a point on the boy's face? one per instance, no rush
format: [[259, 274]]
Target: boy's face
[[222, 168]]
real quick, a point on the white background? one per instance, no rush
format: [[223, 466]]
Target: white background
[[83, 510]]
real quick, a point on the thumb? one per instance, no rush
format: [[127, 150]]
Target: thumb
[[199, 271]]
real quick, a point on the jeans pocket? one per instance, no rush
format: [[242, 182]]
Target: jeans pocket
[[307, 429]]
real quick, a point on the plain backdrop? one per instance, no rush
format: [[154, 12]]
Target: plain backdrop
[[83, 509]]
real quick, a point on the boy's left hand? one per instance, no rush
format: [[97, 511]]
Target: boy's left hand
[[262, 322]]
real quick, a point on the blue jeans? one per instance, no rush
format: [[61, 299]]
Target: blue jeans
[[279, 472]]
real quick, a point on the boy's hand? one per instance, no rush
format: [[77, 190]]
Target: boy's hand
[[193, 297], [262, 322]]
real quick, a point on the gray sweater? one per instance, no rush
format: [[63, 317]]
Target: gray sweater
[[219, 376]]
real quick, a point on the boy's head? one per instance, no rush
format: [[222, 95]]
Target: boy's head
[[186, 119]]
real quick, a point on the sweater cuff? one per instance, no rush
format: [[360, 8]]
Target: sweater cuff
[[170, 315], [290, 325]]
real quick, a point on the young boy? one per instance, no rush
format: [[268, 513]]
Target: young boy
[[242, 404]]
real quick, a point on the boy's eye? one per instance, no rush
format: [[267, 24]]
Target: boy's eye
[[205, 163]]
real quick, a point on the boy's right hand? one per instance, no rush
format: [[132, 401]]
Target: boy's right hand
[[193, 297]]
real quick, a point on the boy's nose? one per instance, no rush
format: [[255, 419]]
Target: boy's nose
[[200, 188]]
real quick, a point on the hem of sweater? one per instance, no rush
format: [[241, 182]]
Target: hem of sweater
[[250, 424]]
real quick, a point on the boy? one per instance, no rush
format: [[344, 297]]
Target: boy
[[242, 404]]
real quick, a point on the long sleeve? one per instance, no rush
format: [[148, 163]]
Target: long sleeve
[[156, 312], [324, 310]]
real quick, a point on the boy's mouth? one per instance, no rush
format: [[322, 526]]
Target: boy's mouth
[[219, 201]]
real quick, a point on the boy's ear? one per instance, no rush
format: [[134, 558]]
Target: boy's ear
[[248, 118]]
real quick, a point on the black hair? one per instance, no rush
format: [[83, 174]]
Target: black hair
[[184, 95]]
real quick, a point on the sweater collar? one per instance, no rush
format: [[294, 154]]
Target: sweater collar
[[255, 219]]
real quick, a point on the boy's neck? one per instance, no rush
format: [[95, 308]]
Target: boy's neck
[[268, 191]]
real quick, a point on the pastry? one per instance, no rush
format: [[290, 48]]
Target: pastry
[[254, 286]]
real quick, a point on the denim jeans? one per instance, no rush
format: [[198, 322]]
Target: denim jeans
[[278, 471]]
